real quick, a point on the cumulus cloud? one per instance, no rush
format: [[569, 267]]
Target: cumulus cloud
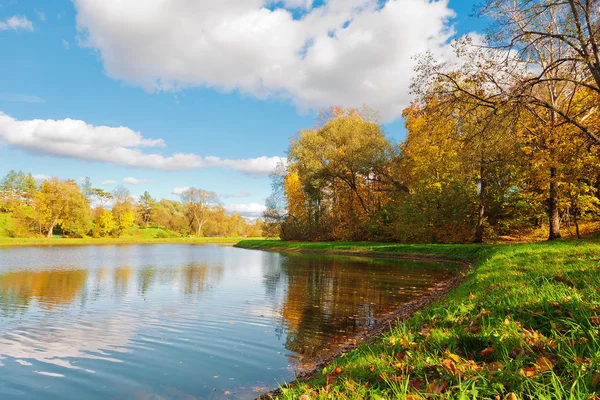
[[41, 177], [109, 182], [341, 52], [178, 190], [234, 195], [116, 145], [135, 181], [249, 210], [16, 23]]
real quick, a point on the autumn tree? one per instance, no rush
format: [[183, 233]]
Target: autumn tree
[[62, 203], [340, 170], [123, 210], [198, 204]]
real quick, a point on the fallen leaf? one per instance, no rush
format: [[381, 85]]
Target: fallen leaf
[[495, 366], [454, 357], [330, 380], [596, 380], [528, 372], [544, 364], [417, 383], [595, 320], [487, 352], [372, 368], [304, 397], [449, 366], [336, 371], [437, 388], [511, 396]]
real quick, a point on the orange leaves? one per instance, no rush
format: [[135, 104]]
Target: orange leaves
[[450, 366], [330, 378], [595, 320], [487, 353], [528, 372], [596, 381], [542, 364], [437, 387]]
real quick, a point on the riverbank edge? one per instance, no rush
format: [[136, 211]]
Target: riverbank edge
[[383, 324], [20, 242], [499, 278]]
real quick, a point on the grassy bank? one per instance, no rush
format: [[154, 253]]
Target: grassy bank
[[465, 252], [8, 242], [524, 324]]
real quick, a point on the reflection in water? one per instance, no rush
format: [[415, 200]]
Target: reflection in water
[[326, 303], [49, 288], [164, 321]]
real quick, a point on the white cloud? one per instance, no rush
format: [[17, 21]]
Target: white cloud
[[41, 15], [109, 182], [66, 44], [16, 23], [135, 181], [178, 190], [41, 177], [20, 98], [249, 210], [116, 145], [234, 195], [343, 52]]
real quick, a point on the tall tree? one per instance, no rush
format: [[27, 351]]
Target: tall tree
[[198, 204], [62, 203], [145, 206]]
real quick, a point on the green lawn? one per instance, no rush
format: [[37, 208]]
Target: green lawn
[[7, 242], [467, 252], [525, 324], [4, 224]]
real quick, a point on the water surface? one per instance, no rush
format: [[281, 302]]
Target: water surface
[[182, 321]]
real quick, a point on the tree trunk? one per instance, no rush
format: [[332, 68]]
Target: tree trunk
[[481, 217], [49, 235], [553, 213], [576, 222]]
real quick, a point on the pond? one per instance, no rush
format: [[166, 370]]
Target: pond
[[183, 321]]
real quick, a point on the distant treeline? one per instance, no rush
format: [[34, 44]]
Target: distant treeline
[[70, 209]]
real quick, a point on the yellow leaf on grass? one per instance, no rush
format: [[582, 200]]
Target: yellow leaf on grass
[[528, 372], [543, 364]]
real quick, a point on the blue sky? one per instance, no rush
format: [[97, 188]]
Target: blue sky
[[238, 94]]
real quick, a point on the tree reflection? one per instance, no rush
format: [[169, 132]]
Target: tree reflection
[[198, 277], [49, 288], [329, 299]]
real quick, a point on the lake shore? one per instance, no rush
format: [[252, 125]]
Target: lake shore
[[19, 242], [524, 323]]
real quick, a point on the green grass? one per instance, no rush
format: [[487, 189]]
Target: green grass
[[467, 252], [7, 242], [525, 324], [5, 221]]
